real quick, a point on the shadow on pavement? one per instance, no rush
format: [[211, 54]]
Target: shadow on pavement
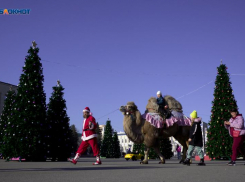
[[84, 168]]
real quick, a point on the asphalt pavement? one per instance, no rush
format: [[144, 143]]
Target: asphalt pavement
[[120, 170]]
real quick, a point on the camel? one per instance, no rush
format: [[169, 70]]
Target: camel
[[140, 131]]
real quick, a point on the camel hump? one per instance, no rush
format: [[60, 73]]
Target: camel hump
[[152, 105], [173, 104]]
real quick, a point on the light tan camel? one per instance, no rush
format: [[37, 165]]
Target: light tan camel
[[140, 131]]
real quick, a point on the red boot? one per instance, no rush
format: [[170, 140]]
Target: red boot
[[98, 161], [72, 161]]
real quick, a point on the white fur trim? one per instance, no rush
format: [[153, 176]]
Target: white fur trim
[[85, 110], [84, 138]]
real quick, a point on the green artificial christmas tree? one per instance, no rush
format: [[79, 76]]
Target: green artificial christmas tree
[[7, 127], [166, 148], [59, 132], [219, 143], [99, 135], [106, 149], [116, 146], [74, 139], [138, 148], [30, 109]]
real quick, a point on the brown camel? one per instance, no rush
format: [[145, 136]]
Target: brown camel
[[139, 130]]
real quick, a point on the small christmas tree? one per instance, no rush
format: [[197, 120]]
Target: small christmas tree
[[219, 142], [138, 148], [59, 132], [106, 149], [99, 135], [74, 139], [166, 148], [30, 113], [7, 127], [116, 146]]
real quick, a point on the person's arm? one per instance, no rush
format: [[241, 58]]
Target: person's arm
[[160, 101], [92, 124], [227, 124], [193, 131], [238, 122]]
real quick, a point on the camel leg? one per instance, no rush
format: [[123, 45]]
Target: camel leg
[[146, 152], [160, 155], [185, 148]]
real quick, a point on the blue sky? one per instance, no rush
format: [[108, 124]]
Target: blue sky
[[109, 52]]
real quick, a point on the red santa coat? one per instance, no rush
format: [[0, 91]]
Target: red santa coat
[[89, 132]]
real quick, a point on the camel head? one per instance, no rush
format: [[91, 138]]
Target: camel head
[[130, 108], [132, 122]]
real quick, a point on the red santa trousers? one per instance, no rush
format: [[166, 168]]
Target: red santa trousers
[[237, 146], [84, 145]]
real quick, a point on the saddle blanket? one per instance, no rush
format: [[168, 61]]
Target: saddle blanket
[[156, 120]]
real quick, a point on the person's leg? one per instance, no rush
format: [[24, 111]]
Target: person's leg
[[93, 143], [179, 155], [241, 146], [235, 147], [200, 152], [201, 155], [81, 149], [189, 155], [190, 151]]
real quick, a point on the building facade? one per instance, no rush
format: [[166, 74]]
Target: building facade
[[125, 143], [4, 88], [102, 130]]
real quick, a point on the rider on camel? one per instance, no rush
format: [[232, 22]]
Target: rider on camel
[[163, 107]]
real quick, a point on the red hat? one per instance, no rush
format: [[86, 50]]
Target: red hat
[[86, 109]]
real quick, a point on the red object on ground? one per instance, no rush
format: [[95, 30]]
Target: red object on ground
[[16, 159], [206, 158]]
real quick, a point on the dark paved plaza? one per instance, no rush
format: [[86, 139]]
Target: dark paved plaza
[[119, 170]]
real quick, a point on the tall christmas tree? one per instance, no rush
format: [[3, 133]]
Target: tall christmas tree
[[30, 113], [219, 142], [7, 127], [106, 149], [59, 132], [116, 146]]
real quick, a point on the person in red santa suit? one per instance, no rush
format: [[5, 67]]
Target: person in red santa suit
[[89, 137]]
